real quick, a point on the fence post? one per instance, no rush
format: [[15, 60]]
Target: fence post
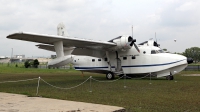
[[38, 86], [90, 84]]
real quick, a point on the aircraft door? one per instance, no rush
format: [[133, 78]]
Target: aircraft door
[[118, 66]]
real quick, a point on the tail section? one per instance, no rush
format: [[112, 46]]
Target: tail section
[[61, 31], [58, 46], [61, 61], [63, 54]]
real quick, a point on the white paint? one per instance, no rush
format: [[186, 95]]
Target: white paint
[[59, 48], [92, 54]]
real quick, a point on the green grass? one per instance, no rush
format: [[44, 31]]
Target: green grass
[[181, 94]]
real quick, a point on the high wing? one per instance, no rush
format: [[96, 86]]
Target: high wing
[[67, 41]]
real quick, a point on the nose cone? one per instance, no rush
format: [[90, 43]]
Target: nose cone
[[189, 60]]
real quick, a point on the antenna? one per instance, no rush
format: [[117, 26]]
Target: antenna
[[155, 37], [132, 31]]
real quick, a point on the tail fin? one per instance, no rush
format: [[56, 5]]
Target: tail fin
[[61, 31]]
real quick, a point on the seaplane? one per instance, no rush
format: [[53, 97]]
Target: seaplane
[[115, 57]]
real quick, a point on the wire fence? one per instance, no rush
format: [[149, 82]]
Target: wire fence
[[19, 80], [124, 77]]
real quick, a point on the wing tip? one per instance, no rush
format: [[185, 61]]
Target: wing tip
[[13, 34]]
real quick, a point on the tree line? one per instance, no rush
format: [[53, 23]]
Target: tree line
[[33, 64], [194, 53]]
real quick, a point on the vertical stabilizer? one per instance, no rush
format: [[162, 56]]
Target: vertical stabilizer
[[61, 31]]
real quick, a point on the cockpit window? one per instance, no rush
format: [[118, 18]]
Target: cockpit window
[[161, 51], [156, 51], [153, 52]]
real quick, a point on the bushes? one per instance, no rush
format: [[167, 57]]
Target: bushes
[[33, 63], [27, 64]]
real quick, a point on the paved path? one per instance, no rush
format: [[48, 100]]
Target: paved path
[[21, 103]]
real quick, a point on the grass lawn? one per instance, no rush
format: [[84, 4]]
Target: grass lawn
[[181, 94]]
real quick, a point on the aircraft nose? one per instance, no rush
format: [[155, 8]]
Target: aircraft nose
[[189, 60]]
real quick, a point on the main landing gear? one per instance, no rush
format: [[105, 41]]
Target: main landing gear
[[110, 76], [170, 77]]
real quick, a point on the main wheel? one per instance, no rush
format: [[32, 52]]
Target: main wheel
[[170, 77], [110, 76]]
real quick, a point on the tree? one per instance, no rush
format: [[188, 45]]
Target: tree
[[164, 49], [35, 63], [194, 53], [27, 64]]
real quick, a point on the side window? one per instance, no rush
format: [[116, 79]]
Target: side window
[[106, 59], [93, 60], [153, 52], [124, 58], [99, 59]]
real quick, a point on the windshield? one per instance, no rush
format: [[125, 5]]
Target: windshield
[[161, 51], [157, 51]]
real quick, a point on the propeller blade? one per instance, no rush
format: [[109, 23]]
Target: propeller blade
[[132, 43], [136, 47]]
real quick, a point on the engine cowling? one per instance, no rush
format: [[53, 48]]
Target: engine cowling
[[123, 42]]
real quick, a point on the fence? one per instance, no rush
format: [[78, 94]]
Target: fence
[[192, 68], [88, 79]]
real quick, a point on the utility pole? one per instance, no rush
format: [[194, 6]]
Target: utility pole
[[11, 56], [132, 31]]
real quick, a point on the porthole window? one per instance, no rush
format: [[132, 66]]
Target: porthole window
[[124, 58], [93, 60], [133, 57], [99, 59]]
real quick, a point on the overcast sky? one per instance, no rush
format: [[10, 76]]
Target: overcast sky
[[101, 20]]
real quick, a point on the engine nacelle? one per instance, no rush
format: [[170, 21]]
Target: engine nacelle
[[123, 42]]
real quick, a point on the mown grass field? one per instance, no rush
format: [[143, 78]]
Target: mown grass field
[[181, 94]]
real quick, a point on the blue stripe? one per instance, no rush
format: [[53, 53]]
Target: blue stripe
[[131, 65], [153, 64], [89, 67]]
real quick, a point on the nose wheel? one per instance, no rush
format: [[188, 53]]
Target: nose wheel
[[110, 76]]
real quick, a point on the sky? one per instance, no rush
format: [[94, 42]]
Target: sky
[[101, 20]]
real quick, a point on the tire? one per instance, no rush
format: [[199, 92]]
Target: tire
[[110, 76], [121, 75], [170, 77]]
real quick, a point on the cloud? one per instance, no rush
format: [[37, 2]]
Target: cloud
[[188, 6], [100, 20]]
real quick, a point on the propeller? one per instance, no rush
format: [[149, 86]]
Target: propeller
[[133, 43]]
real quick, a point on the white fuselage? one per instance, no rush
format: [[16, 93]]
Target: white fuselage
[[159, 64]]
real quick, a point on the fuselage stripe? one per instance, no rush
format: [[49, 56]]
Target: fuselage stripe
[[105, 67]]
